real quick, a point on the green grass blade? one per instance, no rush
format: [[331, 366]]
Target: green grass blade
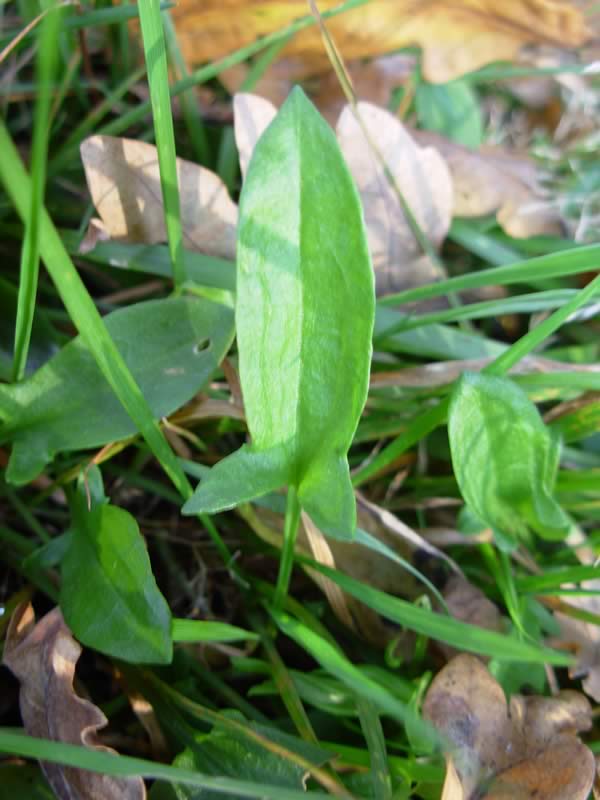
[[334, 661], [193, 630], [375, 739], [442, 628], [531, 584], [123, 766], [418, 429], [534, 338], [155, 53], [46, 64], [555, 265], [517, 304]]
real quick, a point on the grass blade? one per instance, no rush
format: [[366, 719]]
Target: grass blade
[[373, 733], [442, 628], [155, 54], [335, 662], [555, 265], [109, 764], [46, 64]]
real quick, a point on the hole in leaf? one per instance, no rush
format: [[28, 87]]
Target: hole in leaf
[[201, 346]]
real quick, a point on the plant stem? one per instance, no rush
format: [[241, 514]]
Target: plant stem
[[290, 533]]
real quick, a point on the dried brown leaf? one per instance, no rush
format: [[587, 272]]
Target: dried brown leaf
[[124, 180], [43, 657], [419, 174], [492, 180], [456, 37], [525, 750]]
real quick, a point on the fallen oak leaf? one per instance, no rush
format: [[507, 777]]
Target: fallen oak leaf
[[522, 750], [456, 37], [493, 180], [124, 181], [43, 657]]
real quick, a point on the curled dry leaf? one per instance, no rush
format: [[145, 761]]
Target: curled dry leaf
[[124, 180], [456, 37], [521, 750], [43, 658], [493, 180], [421, 176]]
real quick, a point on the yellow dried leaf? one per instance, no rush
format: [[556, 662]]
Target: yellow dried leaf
[[124, 180], [456, 37], [492, 180]]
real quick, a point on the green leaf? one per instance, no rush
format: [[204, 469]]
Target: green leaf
[[451, 109], [171, 346], [109, 597], [224, 753], [304, 318], [504, 457], [195, 630]]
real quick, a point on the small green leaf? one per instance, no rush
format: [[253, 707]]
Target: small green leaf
[[304, 318], [451, 109], [108, 596], [505, 458], [171, 346], [223, 753]]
